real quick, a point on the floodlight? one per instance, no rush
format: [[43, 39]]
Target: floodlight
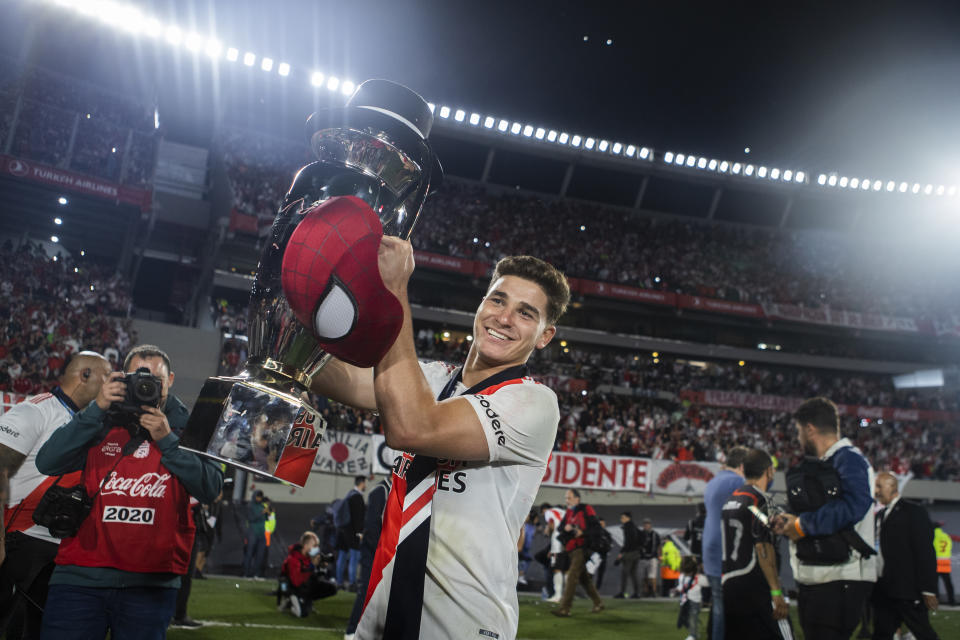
[[832, 181], [562, 138], [193, 41], [249, 59], [775, 174], [736, 168], [916, 188], [503, 126], [316, 79], [58, 221], [927, 190], [589, 143], [62, 200], [748, 170], [800, 176], [489, 121], [903, 187], [631, 150], [460, 115], [844, 181], [877, 185], [266, 64], [712, 165], [679, 159], [762, 172], [702, 163], [552, 136], [284, 69], [724, 166], [232, 54], [854, 183], [668, 157], [822, 179], [891, 185], [541, 132], [528, 131], [54, 239], [603, 146], [332, 83], [617, 148], [474, 119], [152, 27], [691, 160], [787, 175], [444, 112], [940, 190], [213, 48], [347, 88], [174, 35], [516, 128], [865, 185], [644, 153], [952, 191]]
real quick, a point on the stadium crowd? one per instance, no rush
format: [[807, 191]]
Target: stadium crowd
[[50, 309], [735, 263], [74, 125]]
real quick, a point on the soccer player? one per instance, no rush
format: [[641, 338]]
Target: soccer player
[[475, 442], [753, 603]]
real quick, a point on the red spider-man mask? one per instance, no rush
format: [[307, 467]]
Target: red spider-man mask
[[332, 281]]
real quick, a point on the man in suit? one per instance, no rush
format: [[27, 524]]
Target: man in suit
[[907, 584]]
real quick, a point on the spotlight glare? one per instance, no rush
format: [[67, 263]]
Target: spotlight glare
[[541, 132], [332, 83], [854, 183], [927, 190], [249, 59], [903, 187], [589, 143], [691, 160], [575, 141], [603, 146], [213, 48], [62, 200], [668, 157], [877, 185], [284, 69], [832, 181], [775, 174], [679, 158], [916, 188], [152, 27], [712, 165], [551, 136], [474, 119], [801, 176], [528, 131], [232, 54], [952, 191], [891, 185], [701, 163], [822, 179], [516, 128], [444, 112], [644, 153], [489, 121], [54, 239], [316, 79], [347, 87], [940, 190], [844, 181], [58, 221], [724, 166], [736, 168], [174, 35], [266, 64], [193, 41], [617, 148], [748, 170], [865, 185], [631, 150], [762, 172], [562, 138], [460, 115], [787, 175], [503, 126]]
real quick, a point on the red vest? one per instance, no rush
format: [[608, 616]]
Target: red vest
[[141, 520]]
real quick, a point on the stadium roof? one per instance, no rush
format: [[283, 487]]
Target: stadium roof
[[861, 88]]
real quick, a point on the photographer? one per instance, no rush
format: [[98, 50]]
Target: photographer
[[831, 528], [576, 521], [121, 568]]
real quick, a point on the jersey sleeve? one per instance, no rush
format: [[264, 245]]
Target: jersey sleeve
[[519, 421], [20, 428], [763, 533]]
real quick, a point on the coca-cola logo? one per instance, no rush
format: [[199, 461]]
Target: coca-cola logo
[[149, 485]]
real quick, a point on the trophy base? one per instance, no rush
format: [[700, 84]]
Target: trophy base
[[252, 425]]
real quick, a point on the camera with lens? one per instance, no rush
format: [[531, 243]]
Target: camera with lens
[[142, 388], [62, 509]]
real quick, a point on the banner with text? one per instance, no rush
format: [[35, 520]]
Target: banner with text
[[840, 318], [87, 185], [344, 453], [587, 471]]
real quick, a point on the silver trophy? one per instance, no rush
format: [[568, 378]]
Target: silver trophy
[[374, 149]]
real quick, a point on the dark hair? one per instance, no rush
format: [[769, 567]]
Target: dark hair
[[358, 479], [702, 508], [736, 456], [756, 463], [145, 351], [545, 506], [576, 494], [545, 275], [821, 413], [689, 565], [627, 513]]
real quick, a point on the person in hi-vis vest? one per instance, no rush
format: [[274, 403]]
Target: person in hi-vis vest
[[943, 546]]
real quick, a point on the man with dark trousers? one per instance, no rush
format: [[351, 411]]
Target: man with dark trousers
[[907, 567], [693, 534], [629, 555], [575, 522]]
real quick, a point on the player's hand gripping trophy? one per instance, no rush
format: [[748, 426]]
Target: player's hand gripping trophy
[[318, 291]]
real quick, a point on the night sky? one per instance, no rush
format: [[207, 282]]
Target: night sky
[[863, 88]]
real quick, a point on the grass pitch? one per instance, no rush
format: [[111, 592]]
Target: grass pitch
[[239, 609]]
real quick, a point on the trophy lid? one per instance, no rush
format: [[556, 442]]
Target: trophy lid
[[387, 107]]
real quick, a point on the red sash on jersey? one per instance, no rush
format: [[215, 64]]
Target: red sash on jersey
[[412, 491], [20, 516], [140, 521]]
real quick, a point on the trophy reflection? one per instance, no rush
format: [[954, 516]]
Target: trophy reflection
[[318, 292]]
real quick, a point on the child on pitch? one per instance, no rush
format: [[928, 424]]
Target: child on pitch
[[691, 596]]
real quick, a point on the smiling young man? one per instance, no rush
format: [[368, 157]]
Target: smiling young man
[[475, 442]]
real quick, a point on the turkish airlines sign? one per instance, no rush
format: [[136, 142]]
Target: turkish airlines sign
[[87, 185]]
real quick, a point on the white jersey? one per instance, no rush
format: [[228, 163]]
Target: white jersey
[[25, 428], [554, 516], [476, 514]]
